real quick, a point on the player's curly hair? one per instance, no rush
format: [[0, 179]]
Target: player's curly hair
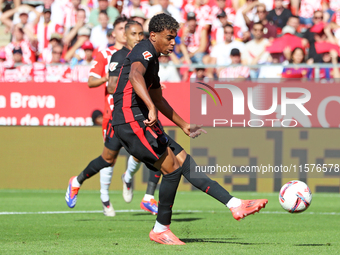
[[162, 21]]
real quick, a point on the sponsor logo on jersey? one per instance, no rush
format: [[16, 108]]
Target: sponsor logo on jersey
[[113, 66], [147, 55]]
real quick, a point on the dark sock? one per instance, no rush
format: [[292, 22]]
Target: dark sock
[[167, 193], [153, 181], [107, 203], [94, 167], [203, 182]]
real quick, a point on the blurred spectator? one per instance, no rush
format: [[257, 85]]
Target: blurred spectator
[[307, 9], [27, 49], [294, 22], [279, 15], [110, 38], [88, 49], [165, 7], [135, 5], [297, 56], [57, 52], [70, 10], [217, 30], [17, 55], [22, 11], [269, 30], [44, 30], [97, 118], [329, 73], [83, 36], [139, 16], [240, 24], [46, 54], [199, 75], [255, 49], [71, 35], [202, 12], [56, 14], [194, 40], [322, 34], [99, 32], [220, 54], [167, 72], [103, 5], [233, 72], [2, 55], [225, 6]]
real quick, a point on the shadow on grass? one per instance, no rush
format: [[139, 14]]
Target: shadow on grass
[[147, 213], [313, 244], [186, 219], [219, 240]]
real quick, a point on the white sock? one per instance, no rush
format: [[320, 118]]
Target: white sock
[[233, 202], [75, 182], [132, 168], [105, 181], [160, 228], [148, 197]]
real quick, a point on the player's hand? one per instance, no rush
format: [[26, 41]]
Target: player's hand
[[152, 118], [194, 130]]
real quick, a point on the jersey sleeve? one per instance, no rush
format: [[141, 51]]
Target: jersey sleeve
[[143, 56], [98, 66], [115, 64]]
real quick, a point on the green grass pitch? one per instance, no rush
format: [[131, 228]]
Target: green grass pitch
[[204, 224]]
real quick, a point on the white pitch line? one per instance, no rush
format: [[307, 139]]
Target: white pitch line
[[183, 211]]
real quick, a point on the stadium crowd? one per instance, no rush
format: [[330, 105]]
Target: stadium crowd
[[230, 34]]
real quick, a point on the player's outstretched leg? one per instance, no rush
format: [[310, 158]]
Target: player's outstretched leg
[[148, 202], [76, 181], [132, 167], [239, 208], [105, 181]]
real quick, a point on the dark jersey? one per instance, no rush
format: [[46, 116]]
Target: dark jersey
[[128, 106], [117, 60]]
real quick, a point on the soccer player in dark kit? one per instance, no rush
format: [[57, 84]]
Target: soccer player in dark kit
[[134, 34], [137, 99]]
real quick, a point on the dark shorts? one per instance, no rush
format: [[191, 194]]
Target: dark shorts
[[145, 143], [111, 141]]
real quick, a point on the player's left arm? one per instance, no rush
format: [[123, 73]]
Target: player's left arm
[[164, 107]]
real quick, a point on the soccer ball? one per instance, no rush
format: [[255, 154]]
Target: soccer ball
[[295, 196]]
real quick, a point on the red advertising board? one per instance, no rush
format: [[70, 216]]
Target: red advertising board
[[69, 104]]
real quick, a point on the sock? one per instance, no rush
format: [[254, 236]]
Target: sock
[[148, 197], [75, 183], [234, 202], [107, 203], [94, 167], [105, 181], [167, 193], [204, 183], [132, 168], [160, 228], [153, 181]]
